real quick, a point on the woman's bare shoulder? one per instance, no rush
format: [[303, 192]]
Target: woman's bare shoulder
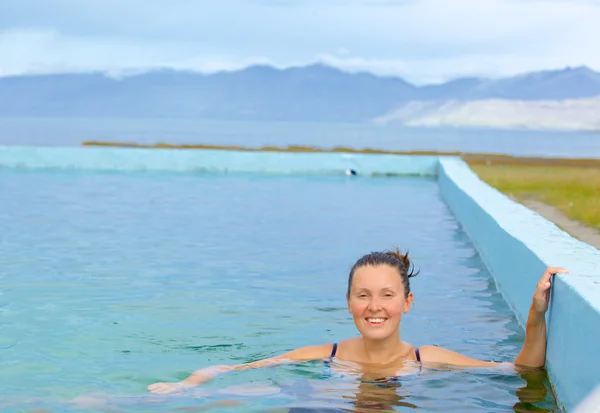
[[314, 352], [435, 354]]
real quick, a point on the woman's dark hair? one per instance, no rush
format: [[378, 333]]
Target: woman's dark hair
[[394, 259]]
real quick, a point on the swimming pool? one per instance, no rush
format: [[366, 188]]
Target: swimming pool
[[112, 281]]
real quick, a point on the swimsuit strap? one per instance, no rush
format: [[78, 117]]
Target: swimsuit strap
[[335, 347], [333, 350], [327, 371]]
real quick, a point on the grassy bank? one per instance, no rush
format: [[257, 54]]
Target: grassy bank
[[471, 158], [290, 148], [574, 190]]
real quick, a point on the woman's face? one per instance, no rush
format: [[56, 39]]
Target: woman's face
[[377, 302]]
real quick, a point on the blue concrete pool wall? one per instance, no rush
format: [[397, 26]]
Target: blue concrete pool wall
[[185, 160], [515, 243]]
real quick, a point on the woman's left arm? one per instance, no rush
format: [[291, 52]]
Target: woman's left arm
[[533, 353]]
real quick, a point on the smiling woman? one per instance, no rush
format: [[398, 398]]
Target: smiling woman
[[378, 295]]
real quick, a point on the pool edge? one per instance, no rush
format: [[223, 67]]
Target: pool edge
[[209, 160]]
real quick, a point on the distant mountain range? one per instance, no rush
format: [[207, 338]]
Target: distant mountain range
[[309, 93]]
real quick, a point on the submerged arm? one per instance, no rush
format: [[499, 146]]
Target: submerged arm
[[206, 374]]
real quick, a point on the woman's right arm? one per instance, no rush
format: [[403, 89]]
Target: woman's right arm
[[206, 374]]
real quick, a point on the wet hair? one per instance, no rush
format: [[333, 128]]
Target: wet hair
[[394, 259]]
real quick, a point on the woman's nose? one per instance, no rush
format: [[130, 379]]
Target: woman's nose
[[375, 305]]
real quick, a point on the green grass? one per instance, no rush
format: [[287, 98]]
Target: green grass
[[575, 191]]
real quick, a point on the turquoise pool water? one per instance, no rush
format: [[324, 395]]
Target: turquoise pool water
[[110, 282]]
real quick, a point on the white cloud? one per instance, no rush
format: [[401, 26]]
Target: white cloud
[[423, 40], [428, 71]]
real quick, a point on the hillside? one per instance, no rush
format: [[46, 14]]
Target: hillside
[[575, 114]]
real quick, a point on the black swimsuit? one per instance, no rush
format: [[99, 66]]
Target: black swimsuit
[[385, 381], [335, 346]]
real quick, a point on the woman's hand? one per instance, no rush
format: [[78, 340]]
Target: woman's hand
[[199, 377], [167, 388], [541, 297]]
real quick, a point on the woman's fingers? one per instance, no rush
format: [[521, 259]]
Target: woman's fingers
[[550, 271]]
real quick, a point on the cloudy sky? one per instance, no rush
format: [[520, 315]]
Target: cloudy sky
[[421, 40]]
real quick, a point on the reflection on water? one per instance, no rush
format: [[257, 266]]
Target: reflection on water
[[296, 395], [533, 391], [370, 397]]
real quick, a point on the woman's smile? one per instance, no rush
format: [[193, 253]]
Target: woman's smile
[[376, 321]]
